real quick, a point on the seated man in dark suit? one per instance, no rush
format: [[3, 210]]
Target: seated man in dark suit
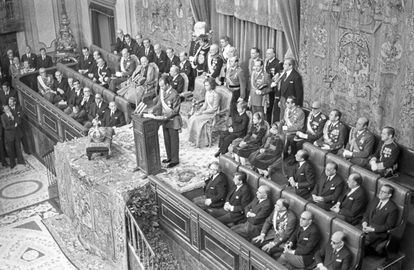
[[60, 85], [75, 96], [148, 50], [351, 205], [78, 114], [96, 110], [160, 59], [302, 245], [277, 229], [177, 81], [381, 216], [30, 57], [43, 60], [237, 199], [335, 256], [334, 133], [85, 61], [113, 117], [256, 213], [130, 44], [215, 189], [327, 190], [172, 59], [302, 178], [86, 102], [101, 73]]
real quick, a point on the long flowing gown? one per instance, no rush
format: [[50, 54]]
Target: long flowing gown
[[273, 150], [198, 123]]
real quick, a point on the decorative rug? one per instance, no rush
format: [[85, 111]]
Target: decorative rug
[[28, 245], [64, 235]]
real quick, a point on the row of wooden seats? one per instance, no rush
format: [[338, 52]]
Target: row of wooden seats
[[326, 221]]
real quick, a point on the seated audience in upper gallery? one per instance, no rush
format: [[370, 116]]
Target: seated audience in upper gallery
[[352, 203], [314, 128], [127, 66], [87, 100], [130, 44], [13, 134], [149, 52], [43, 60], [139, 49], [225, 47], [113, 117], [120, 41], [335, 256], [235, 81], [301, 247], [360, 144], [302, 177], [160, 59], [213, 62], [199, 121], [293, 120], [380, 216], [277, 229], [15, 68], [101, 73], [74, 96], [238, 129], [78, 114], [26, 68], [215, 189], [30, 57], [259, 87], [6, 93], [269, 152], [96, 56], [256, 213], [96, 110], [384, 160], [85, 61], [177, 81], [328, 189], [253, 139], [237, 199], [45, 83], [334, 133], [172, 59]]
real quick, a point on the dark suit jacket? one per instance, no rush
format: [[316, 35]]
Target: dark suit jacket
[[340, 261], [178, 84], [330, 191], [272, 68], [193, 47], [353, 206], [305, 243], [286, 225], [116, 120], [85, 63], [63, 84], [216, 190], [174, 120], [292, 86], [381, 219], [239, 199], [87, 105], [262, 211], [31, 59], [161, 62], [185, 67], [217, 61], [132, 47], [94, 110], [11, 132], [240, 124], [150, 55], [120, 44], [73, 99], [40, 63], [4, 99], [305, 176], [174, 61]]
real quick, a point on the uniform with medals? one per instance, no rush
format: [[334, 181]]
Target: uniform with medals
[[361, 145], [333, 136], [273, 67], [236, 83], [387, 155], [259, 81]]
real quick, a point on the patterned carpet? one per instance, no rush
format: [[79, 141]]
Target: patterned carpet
[[22, 186], [28, 245]]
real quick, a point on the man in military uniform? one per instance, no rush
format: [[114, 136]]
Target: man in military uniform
[[333, 133], [385, 157], [360, 144], [127, 66], [214, 62], [293, 120], [236, 83], [273, 67], [260, 82], [314, 128]]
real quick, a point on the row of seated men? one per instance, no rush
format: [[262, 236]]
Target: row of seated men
[[13, 66], [292, 239], [77, 101], [263, 145]]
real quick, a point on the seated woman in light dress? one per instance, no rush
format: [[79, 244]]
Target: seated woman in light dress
[[271, 151], [197, 125], [253, 140]]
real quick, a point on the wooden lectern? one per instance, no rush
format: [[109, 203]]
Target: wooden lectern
[[147, 147]]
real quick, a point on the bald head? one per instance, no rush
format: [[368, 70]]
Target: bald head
[[362, 123], [214, 48]]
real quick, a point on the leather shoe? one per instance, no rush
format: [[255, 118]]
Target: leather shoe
[[171, 165], [166, 161], [217, 154]]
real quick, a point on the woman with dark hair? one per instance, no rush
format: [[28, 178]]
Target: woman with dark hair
[[198, 123], [253, 140]]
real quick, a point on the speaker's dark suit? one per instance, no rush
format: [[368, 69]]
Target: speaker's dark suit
[[342, 260], [305, 177], [117, 119], [381, 220], [292, 86], [352, 207], [330, 190]]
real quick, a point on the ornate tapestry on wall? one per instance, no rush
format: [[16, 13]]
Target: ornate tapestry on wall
[[358, 56], [167, 22]]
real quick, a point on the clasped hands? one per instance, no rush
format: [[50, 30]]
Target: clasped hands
[[292, 182], [228, 207], [366, 228]]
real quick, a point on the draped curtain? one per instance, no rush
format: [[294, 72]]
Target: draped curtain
[[201, 11]]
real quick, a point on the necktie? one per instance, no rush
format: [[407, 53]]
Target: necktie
[[379, 205], [284, 77], [112, 113]]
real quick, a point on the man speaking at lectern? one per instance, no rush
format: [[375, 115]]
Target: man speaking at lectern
[[168, 106]]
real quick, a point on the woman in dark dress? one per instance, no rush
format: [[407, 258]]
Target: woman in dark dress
[[269, 152], [253, 140]]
